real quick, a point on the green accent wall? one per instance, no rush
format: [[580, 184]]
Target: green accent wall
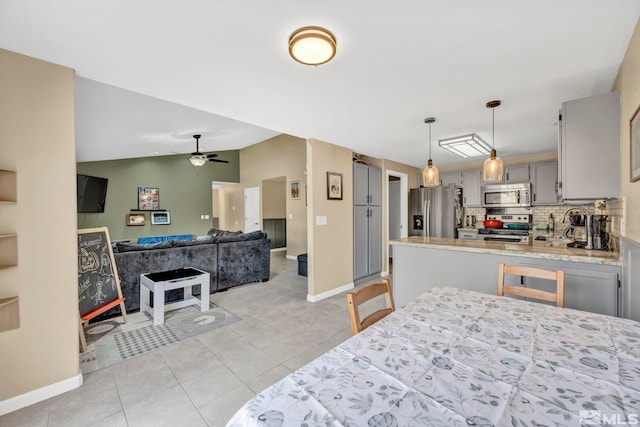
[[184, 189]]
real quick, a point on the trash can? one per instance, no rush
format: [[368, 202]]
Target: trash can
[[302, 265]]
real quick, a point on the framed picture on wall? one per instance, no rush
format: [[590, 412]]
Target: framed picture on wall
[[334, 186], [634, 142], [148, 199], [160, 218], [295, 190], [136, 219]]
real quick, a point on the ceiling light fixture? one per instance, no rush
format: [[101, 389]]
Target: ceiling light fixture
[[312, 45], [430, 175], [493, 168], [466, 146], [197, 158]]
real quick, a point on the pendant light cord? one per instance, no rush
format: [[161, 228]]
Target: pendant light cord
[[429, 141], [493, 128]]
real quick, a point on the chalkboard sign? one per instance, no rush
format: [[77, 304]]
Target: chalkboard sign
[[98, 283]]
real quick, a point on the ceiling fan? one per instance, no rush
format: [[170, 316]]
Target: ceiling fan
[[199, 159]]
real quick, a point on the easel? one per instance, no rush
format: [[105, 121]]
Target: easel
[[90, 242]]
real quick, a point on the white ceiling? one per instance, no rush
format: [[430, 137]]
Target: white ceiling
[[225, 70]]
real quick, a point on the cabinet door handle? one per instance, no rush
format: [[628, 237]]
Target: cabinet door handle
[[556, 185], [507, 176], [534, 197]]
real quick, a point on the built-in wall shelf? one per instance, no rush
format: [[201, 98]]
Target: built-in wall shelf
[[8, 250], [8, 188], [9, 314]]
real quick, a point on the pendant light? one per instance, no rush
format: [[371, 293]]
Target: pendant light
[[493, 169], [430, 175]]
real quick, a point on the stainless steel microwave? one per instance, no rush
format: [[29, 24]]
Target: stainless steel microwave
[[505, 195]]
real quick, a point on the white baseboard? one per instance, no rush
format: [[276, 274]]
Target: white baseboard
[[330, 293], [278, 249], [38, 395], [293, 257], [384, 274]]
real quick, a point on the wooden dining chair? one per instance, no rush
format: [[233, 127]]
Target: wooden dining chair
[[364, 294], [539, 273]]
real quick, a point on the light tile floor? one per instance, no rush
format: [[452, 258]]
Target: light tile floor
[[203, 380]]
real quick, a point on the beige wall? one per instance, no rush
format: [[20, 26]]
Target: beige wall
[[274, 194], [280, 156], [330, 262], [628, 83], [37, 141]]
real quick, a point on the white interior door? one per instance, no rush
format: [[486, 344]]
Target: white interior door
[[251, 209]]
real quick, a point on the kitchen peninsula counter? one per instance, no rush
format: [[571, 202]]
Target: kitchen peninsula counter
[[535, 249], [421, 263]]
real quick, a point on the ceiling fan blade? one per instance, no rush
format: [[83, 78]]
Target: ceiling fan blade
[[218, 160], [211, 156]]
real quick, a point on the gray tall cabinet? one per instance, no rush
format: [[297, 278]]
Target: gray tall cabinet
[[367, 220]]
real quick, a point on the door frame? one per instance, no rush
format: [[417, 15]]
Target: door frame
[[404, 211]]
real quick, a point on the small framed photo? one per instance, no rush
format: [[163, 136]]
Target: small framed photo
[[160, 218], [634, 142], [334, 186], [295, 190], [148, 199], [136, 219]]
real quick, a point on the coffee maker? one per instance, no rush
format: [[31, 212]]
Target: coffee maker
[[598, 236]]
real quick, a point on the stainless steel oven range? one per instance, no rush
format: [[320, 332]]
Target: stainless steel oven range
[[515, 228]]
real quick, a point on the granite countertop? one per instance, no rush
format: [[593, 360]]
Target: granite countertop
[[534, 249]]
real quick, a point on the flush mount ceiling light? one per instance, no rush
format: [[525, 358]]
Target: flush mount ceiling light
[[312, 45], [430, 175], [465, 146], [493, 168]]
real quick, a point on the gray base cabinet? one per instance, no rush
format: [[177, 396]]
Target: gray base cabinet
[[367, 241], [588, 287]]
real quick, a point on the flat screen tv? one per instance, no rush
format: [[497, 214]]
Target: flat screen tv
[[92, 193]]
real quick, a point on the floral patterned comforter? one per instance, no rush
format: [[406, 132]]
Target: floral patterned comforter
[[458, 358]]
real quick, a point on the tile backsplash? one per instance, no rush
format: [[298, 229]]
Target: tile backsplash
[[614, 208]]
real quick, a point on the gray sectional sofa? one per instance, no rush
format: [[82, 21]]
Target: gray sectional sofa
[[230, 258]]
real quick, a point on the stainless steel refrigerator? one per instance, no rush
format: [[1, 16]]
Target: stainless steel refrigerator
[[435, 211]]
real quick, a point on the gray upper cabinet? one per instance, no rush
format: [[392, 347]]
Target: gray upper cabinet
[[516, 173], [452, 177], [367, 185], [544, 180], [471, 181], [589, 148]]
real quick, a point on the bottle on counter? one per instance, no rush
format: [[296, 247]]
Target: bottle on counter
[[552, 222]]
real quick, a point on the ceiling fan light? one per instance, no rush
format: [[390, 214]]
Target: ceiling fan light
[[198, 160], [312, 45]]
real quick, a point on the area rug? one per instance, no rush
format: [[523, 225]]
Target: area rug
[[111, 341]]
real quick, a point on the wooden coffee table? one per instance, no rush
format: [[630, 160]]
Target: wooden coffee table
[[163, 281]]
